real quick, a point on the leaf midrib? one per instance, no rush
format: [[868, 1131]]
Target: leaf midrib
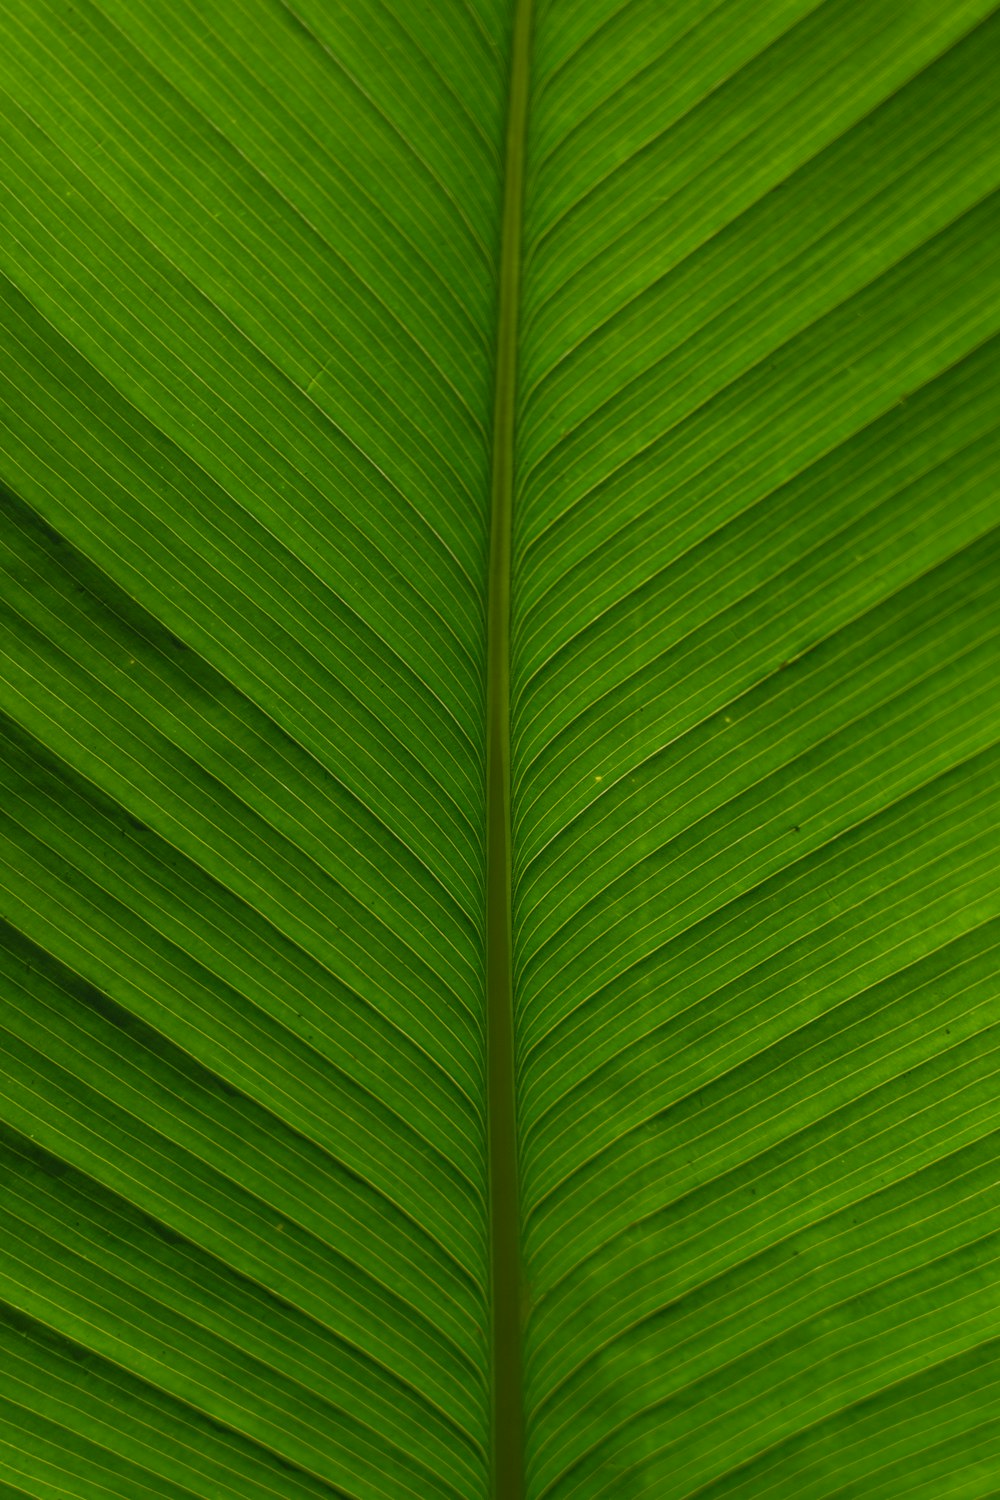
[[505, 1250]]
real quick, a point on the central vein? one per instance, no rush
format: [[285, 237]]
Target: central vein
[[505, 1247]]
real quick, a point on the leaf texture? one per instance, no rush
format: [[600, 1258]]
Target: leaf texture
[[251, 259], [249, 263], [754, 750]]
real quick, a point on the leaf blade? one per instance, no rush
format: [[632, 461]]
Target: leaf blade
[[248, 330], [755, 738]]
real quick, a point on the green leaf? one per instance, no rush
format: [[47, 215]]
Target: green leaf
[[500, 965]]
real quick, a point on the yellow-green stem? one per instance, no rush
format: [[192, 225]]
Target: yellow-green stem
[[506, 1277]]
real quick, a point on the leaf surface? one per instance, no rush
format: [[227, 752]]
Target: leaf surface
[[252, 423]]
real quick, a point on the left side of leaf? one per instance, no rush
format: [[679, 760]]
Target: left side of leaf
[[247, 304]]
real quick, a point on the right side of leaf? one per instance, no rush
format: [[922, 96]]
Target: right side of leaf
[[755, 766]]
